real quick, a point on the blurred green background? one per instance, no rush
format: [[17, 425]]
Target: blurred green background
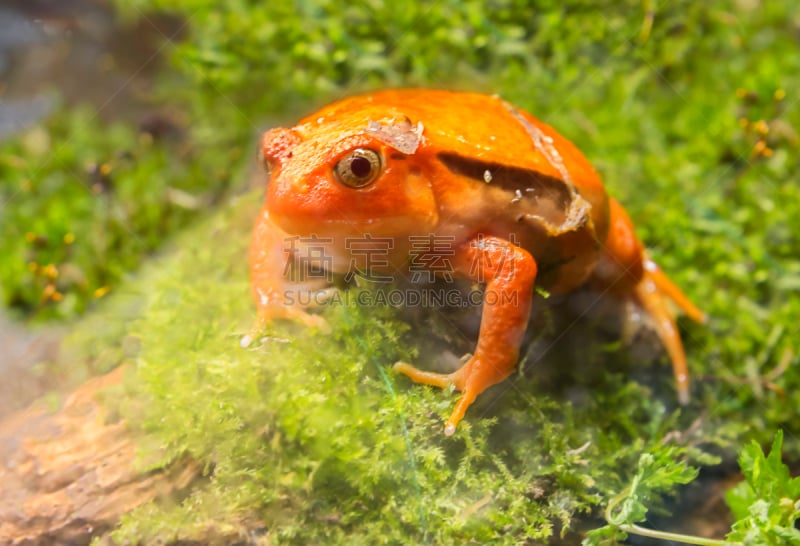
[[690, 112]]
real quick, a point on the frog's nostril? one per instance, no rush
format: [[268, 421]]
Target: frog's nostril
[[277, 145], [264, 161]]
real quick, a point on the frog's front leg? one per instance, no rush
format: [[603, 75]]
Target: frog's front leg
[[509, 273], [276, 294]]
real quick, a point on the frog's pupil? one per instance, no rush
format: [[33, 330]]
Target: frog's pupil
[[361, 167]]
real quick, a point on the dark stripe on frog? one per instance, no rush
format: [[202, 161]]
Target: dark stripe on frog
[[512, 179]]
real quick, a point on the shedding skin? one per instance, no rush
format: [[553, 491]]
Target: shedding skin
[[509, 273]]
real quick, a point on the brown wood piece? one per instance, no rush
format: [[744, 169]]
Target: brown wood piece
[[67, 477]]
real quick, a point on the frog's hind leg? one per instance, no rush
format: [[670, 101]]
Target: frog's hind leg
[[626, 269], [649, 295], [671, 291]]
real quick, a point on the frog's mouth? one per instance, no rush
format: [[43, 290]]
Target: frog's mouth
[[342, 246], [346, 226]]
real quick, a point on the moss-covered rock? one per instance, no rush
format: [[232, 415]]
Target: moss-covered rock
[[313, 436]]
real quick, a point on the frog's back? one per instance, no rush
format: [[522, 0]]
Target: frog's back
[[471, 125], [527, 177]]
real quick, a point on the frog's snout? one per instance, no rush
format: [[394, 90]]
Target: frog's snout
[[277, 144]]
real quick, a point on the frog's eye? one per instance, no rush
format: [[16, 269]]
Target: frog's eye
[[359, 168]]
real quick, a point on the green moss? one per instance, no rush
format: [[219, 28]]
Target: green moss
[[83, 203], [312, 437]]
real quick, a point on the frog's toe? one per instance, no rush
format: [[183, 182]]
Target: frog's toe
[[268, 314], [312, 321], [246, 340], [655, 305], [670, 290], [252, 334], [463, 403], [441, 380]]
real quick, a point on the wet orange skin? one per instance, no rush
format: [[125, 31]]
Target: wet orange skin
[[539, 215]]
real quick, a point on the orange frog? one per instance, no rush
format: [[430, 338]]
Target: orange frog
[[518, 204]]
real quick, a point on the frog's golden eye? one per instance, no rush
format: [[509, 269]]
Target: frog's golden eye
[[359, 168]]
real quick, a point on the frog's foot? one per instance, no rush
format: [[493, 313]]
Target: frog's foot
[[653, 292], [471, 379], [443, 381], [292, 313], [509, 273]]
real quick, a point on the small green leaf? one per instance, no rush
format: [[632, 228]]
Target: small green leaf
[[767, 503], [658, 471]]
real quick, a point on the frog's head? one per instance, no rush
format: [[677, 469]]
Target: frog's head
[[349, 171]]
